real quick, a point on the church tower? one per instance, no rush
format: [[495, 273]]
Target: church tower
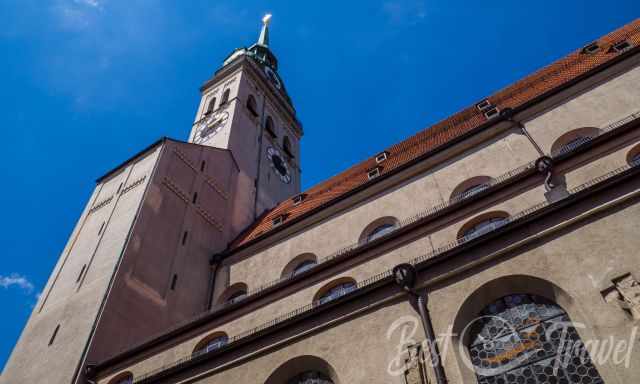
[[139, 260], [245, 108]]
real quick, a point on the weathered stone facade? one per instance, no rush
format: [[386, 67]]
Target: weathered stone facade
[[172, 295]]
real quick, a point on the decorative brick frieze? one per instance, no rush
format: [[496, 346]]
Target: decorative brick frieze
[[216, 187], [133, 185], [183, 196], [208, 218], [101, 204], [182, 156], [175, 189]]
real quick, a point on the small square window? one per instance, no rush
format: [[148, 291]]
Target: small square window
[[278, 220], [621, 46], [375, 172], [491, 113], [484, 105], [298, 199], [591, 48], [381, 157]]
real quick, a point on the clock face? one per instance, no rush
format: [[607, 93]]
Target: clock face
[[209, 126], [273, 77], [279, 165]]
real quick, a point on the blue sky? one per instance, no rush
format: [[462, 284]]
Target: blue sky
[[87, 83]]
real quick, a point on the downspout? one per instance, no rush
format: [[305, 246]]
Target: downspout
[[434, 351], [508, 114], [544, 164], [405, 276]]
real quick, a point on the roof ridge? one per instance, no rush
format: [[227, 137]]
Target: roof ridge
[[539, 82]]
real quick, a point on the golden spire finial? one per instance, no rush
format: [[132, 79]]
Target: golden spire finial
[[264, 33]]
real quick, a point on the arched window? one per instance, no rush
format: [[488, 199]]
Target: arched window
[[378, 228], [380, 231], [483, 224], [211, 106], [310, 377], [634, 156], [304, 266], [286, 146], [470, 187], [575, 143], [123, 378], [305, 369], [233, 294], [225, 97], [336, 290], [211, 343], [521, 338], [269, 126], [237, 296], [474, 189], [299, 264], [252, 106], [573, 139]]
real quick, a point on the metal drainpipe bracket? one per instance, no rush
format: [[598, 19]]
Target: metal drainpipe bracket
[[544, 165]]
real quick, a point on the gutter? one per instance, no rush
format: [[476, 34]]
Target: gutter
[[420, 264], [452, 142], [385, 278]]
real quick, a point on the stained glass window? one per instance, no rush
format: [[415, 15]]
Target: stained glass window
[[310, 377], [530, 340]]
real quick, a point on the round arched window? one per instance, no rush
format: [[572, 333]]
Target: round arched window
[[270, 126], [483, 227], [252, 106], [304, 266], [310, 377], [286, 146], [213, 344], [225, 97], [635, 159], [211, 106], [237, 296], [126, 378], [575, 143], [574, 139], [473, 190], [380, 231], [527, 339], [337, 291]]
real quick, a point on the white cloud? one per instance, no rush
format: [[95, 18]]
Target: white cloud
[[408, 12], [16, 280], [91, 3]]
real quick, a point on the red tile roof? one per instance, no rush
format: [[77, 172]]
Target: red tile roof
[[537, 84]]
